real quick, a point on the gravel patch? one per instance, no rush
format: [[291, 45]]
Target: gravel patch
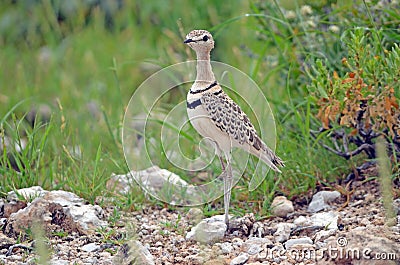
[[159, 236]]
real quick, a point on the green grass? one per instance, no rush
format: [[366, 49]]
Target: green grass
[[85, 70]]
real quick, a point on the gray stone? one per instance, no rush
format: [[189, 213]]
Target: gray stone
[[254, 245], [298, 241], [90, 261], [241, 259], [253, 249], [326, 219], [133, 253], [281, 206], [194, 215], [237, 242], [321, 199], [208, 230], [152, 178], [27, 194], [258, 230], [324, 234], [16, 257], [283, 231], [91, 247], [86, 215], [226, 247], [300, 221], [56, 208]]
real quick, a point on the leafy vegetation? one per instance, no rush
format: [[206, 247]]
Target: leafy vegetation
[[363, 104]]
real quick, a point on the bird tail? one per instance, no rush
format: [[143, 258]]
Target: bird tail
[[268, 156]]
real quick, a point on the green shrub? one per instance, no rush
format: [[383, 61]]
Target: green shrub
[[362, 104]]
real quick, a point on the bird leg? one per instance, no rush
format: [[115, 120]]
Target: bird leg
[[222, 164], [228, 178]]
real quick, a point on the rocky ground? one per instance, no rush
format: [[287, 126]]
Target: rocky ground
[[328, 230]]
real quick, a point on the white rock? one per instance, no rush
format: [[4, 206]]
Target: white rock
[[57, 261], [91, 247], [152, 177], [300, 221], [136, 253], [226, 247], [241, 259], [364, 222], [281, 206], [15, 257], [324, 234], [254, 249], [86, 215], [237, 242], [28, 194], [208, 230], [255, 245], [194, 215], [298, 241], [321, 199], [283, 231], [90, 261], [326, 219], [57, 207]]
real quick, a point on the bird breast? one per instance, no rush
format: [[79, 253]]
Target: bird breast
[[204, 125]]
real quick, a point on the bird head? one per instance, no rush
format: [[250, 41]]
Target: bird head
[[200, 40]]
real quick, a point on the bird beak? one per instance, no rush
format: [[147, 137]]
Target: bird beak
[[188, 40]]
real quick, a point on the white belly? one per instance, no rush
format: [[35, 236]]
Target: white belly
[[205, 127]]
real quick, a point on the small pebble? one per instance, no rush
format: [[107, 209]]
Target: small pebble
[[91, 247], [241, 259], [281, 206], [237, 242], [226, 248], [298, 241]]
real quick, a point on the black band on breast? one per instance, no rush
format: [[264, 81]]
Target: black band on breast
[[217, 92], [205, 89], [194, 104]]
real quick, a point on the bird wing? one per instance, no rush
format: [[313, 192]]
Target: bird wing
[[230, 118]]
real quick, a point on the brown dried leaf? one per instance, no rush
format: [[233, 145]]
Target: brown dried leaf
[[353, 132], [393, 102], [325, 118], [335, 75], [347, 80]]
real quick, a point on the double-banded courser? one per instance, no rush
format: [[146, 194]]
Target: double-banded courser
[[217, 117]]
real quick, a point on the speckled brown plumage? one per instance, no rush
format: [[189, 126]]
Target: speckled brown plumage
[[229, 118]]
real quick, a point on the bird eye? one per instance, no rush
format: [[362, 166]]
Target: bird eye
[[205, 38]]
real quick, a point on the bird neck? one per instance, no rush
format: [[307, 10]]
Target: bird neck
[[204, 69]]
